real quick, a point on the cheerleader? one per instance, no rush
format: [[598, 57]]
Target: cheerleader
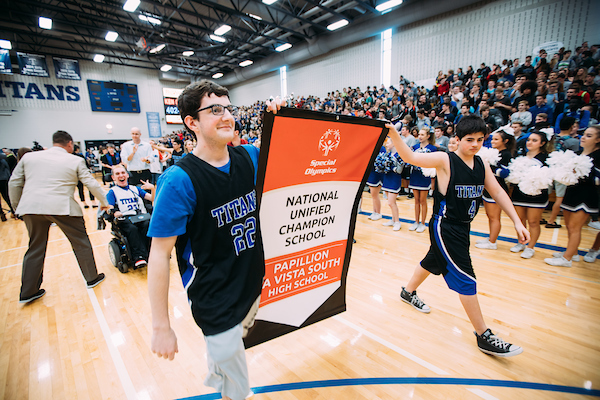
[[392, 182], [581, 199], [530, 208], [503, 140], [374, 183], [419, 183]]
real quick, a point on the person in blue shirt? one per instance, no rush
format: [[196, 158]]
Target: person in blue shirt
[[541, 107], [126, 201], [206, 207]]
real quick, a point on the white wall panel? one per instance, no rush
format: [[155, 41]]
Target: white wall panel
[[489, 33], [260, 88], [36, 118]]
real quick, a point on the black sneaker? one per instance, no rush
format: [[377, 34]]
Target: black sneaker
[[96, 281], [29, 299], [414, 300], [492, 344]]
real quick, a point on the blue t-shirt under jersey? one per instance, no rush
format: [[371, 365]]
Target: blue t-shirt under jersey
[[175, 199]]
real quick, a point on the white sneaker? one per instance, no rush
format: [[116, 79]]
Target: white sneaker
[[486, 240], [414, 226], [560, 254], [591, 256], [388, 222], [528, 253], [421, 228], [487, 245], [397, 226], [375, 216], [594, 224], [558, 261], [517, 248]]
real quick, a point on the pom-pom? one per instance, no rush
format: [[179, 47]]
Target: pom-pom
[[490, 156], [530, 175], [567, 167], [429, 172]]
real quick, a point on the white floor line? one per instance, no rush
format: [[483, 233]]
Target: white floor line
[[408, 355], [482, 394], [555, 233], [114, 353], [56, 255], [392, 346]]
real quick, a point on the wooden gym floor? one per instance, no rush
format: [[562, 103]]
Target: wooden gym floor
[[76, 343]]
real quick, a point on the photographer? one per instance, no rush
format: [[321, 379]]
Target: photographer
[[126, 202]]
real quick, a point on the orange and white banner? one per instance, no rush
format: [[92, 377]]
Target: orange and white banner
[[312, 169]]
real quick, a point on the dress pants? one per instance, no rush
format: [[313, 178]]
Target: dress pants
[[33, 262], [136, 177]]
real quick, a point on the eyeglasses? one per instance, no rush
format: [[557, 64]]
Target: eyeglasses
[[219, 109]]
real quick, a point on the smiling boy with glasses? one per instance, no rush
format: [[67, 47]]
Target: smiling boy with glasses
[[206, 207]]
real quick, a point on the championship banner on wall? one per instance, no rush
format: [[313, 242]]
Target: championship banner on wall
[[32, 64], [311, 172], [65, 68]]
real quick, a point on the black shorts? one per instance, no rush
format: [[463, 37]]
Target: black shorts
[[449, 255]]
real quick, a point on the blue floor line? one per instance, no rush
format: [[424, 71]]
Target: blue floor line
[[485, 235], [410, 381]]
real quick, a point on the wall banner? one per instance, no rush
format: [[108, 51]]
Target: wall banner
[[65, 68], [32, 64], [5, 65], [312, 169], [153, 119]]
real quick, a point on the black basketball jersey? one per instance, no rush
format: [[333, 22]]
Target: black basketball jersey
[[463, 197], [225, 242]]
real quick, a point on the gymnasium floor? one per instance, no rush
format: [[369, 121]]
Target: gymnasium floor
[[78, 343]]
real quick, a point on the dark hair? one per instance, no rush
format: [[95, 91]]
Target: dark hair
[[62, 138], [544, 139], [178, 141], [470, 124], [566, 123], [22, 151], [531, 85], [511, 142], [189, 100]]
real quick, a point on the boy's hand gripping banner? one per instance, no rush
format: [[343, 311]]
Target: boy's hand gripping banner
[[312, 169]]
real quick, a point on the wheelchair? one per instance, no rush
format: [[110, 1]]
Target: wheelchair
[[119, 249]]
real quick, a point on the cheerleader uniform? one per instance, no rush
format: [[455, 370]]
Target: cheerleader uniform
[[505, 157], [417, 180], [376, 176], [524, 200], [391, 180], [583, 195]]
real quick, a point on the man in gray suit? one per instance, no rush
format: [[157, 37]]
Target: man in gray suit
[[41, 189]]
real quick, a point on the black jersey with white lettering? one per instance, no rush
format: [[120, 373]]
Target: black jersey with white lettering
[[463, 197]]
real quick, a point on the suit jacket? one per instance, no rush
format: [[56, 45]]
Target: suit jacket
[[44, 182]]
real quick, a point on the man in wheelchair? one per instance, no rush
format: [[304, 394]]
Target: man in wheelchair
[[130, 214]]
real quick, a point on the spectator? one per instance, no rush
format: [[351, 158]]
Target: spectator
[[541, 107], [136, 155], [522, 114]]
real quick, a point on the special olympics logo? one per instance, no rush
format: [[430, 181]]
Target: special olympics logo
[[329, 141]]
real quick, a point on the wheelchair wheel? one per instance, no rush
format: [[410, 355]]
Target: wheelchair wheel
[[114, 251]]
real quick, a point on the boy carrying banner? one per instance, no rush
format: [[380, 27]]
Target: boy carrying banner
[[461, 178]]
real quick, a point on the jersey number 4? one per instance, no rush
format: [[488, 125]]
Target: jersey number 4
[[473, 209], [244, 235]]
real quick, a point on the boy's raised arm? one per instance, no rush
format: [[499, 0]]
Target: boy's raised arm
[[437, 160]]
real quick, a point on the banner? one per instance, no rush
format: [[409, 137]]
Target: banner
[[5, 65], [312, 169], [65, 68], [153, 119], [32, 64]]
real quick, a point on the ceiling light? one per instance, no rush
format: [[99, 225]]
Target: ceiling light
[[223, 29], [131, 5], [217, 75], [283, 47], [99, 58], [188, 53], [254, 16], [111, 36], [157, 48], [165, 68], [337, 25], [388, 4], [45, 23], [5, 44], [150, 19], [269, 2], [218, 38], [246, 63]]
